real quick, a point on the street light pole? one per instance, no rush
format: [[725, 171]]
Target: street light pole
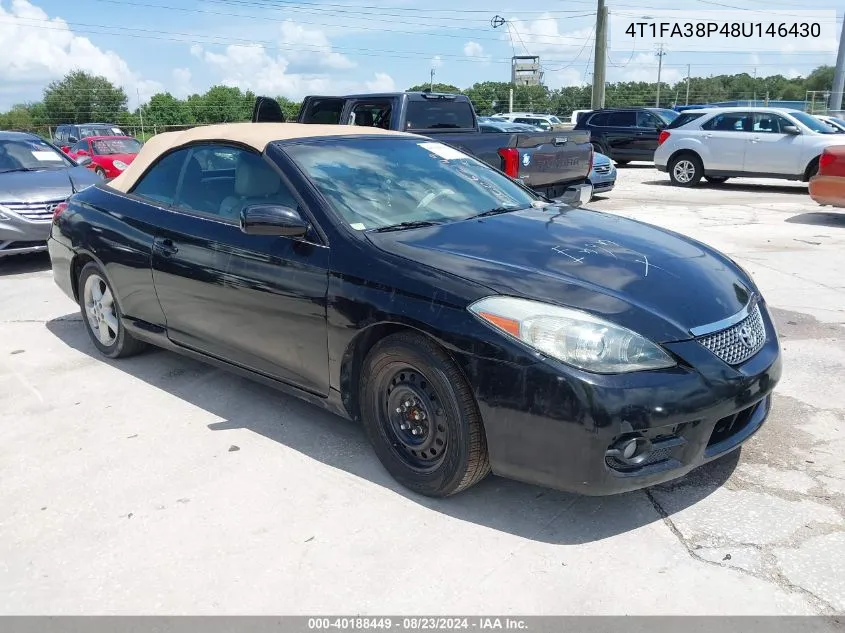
[[660, 54], [839, 76]]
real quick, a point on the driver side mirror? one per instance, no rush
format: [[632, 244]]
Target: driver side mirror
[[791, 129], [83, 161], [271, 219]]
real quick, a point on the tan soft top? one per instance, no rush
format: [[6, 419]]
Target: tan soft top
[[256, 135]]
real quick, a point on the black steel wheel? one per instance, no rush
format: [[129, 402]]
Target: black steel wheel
[[421, 418]]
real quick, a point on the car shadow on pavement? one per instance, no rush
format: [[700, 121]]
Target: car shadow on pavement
[[736, 187], [22, 264], [531, 512], [820, 218]]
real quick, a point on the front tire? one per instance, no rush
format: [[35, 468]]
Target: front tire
[[100, 172], [685, 170], [421, 418], [716, 180], [101, 315]]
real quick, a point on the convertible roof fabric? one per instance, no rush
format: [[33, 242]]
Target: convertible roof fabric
[[255, 135]]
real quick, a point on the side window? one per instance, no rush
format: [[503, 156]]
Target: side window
[[621, 119], [683, 119], [728, 122], [160, 182], [325, 110], [769, 123], [646, 120], [81, 145], [599, 120], [372, 114], [252, 181], [61, 134]]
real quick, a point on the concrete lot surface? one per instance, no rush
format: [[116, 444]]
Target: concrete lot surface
[[159, 485]]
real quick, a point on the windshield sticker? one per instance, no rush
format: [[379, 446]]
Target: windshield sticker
[[46, 155], [444, 151], [358, 226]]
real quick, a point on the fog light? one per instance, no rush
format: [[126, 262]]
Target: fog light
[[630, 451]]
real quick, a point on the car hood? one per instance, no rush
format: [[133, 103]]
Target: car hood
[[110, 158], [656, 282], [37, 186]]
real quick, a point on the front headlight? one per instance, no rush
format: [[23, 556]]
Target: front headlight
[[119, 164], [571, 336]]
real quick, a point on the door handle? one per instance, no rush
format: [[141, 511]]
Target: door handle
[[708, 136], [165, 246], [756, 139]]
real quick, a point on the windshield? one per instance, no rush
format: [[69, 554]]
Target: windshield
[[813, 123], [666, 115], [30, 155], [375, 183], [99, 130], [117, 146], [554, 120], [439, 114]]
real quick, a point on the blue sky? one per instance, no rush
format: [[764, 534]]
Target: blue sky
[[296, 48]]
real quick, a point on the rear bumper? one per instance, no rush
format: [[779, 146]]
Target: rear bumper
[[828, 190], [576, 195], [19, 236]]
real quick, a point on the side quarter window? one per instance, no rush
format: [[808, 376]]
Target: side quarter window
[[160, 182]]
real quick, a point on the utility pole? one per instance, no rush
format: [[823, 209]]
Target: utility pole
[[839, 76], [431, 83], [599, 57], [754, 85], [687, 103], [660, 54], [140, 110]]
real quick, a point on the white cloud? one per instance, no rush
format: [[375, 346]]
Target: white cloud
[[48, 50], [304, 62], [251, 67], [436, 62], [182, 86], [475, 51]]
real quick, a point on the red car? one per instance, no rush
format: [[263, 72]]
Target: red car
[[110, 155], [827, 187]]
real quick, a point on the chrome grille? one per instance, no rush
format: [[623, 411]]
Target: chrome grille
[[38, 211], [739, 342], [602, 169]]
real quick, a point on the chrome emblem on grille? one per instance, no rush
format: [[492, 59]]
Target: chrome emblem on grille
[[747, 337], [50, 207]]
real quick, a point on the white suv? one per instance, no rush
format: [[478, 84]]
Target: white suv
[[718, 143]]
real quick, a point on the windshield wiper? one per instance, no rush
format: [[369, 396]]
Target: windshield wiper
[[414, 224], [497, 211], [8, 171]]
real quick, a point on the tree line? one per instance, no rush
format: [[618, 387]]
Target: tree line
[[81, 97]]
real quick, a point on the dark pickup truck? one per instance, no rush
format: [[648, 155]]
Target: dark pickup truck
[[554, 164]]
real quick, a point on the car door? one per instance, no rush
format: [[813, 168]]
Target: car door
[[82, 148], [256, 301], [645, 135], [770, 150], [726, 138], [619, 134]]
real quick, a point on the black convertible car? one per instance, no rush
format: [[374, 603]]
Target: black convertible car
[[468, 323]]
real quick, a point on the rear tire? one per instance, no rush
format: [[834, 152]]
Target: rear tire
[[421, 418], [102, 317], [716, 180], [685, 170], [812, 169]]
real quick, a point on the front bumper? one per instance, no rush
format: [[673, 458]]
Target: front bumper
[[603, 183], [19, 236], [552, 426]]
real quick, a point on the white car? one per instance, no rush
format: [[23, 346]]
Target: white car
[[544, 121], [719, 143], [832, 121]]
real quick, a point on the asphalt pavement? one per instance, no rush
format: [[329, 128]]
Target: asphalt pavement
[[159, 485]]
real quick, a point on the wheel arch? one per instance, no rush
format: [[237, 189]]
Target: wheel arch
[[358, 348], [809, 168], [680, 152]]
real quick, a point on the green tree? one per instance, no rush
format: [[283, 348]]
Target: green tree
[[165, 109], [81, 97], [222, 104], [289, 108], [820, 79], [19, 118], [437, 88]]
